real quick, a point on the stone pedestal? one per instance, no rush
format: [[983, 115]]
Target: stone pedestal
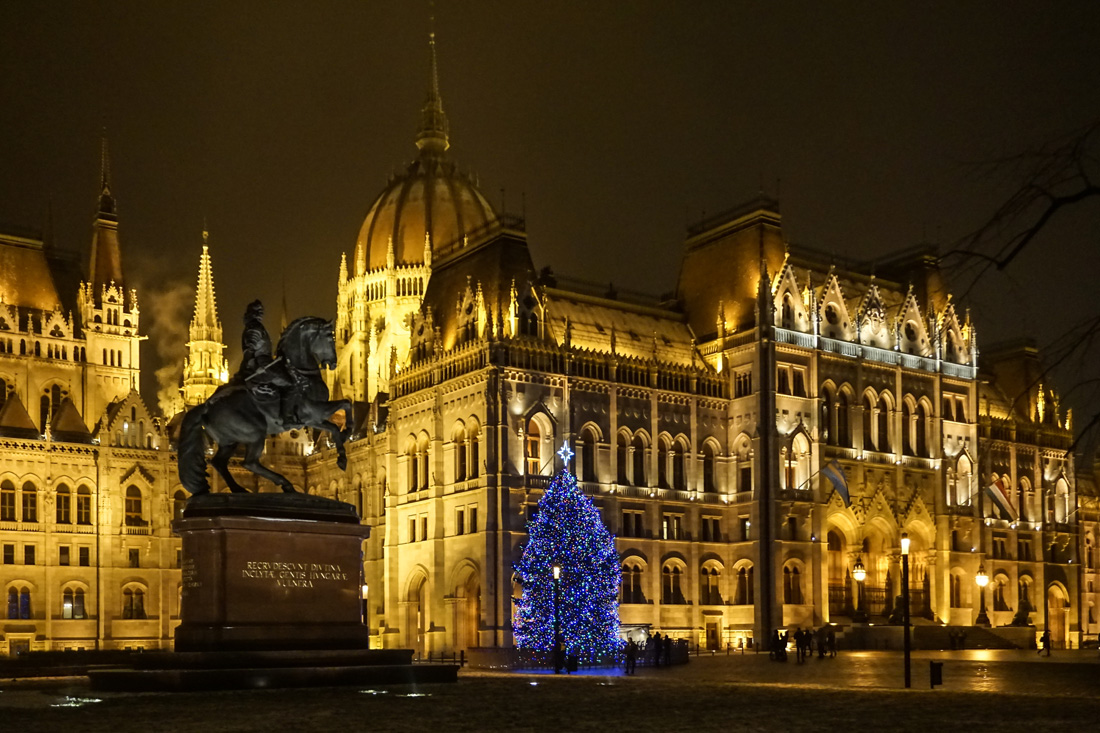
[[266, 583]]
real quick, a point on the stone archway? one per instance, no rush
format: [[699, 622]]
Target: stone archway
[[416, 615], [1057, 616], [468, 612]]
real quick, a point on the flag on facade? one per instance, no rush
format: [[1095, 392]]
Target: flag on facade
[[999, 494], [835, 473]]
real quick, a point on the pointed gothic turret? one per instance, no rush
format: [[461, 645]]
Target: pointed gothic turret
[[205, 367], [109, 312], [105, 267]]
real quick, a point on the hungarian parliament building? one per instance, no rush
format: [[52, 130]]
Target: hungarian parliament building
[[759, 441]]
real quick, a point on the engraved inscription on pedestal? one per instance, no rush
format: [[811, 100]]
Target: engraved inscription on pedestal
[[251, 577], [294, 574]]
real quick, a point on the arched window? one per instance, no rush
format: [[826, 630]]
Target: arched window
[[532, 442], [828, 416], [962, 482], [72, 603], [459, 440], [662, 462], [133, 508], [744, 594], [632, 583], [792, 586], [708, 587], [787, 318], [679, 466], [1061, 501], [708, 468], [63, 505], [7, 502], [43, 412], [883, 438], [622, 457], [1000, 601], [843, 430], [133, 603], [473, 466], [179, 503], [868, 423], [906, 428], [30, 502], [13, 603], [83, 505], [671, 592], [588, 454], [422, 460], [412, 464], [922, 430], [3, 386], [639, 447], [956, 592]]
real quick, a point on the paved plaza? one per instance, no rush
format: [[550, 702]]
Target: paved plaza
[[858, 690]]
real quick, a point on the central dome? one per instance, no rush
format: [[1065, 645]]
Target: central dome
[[432, 199]]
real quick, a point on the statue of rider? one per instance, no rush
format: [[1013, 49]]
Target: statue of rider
[[266, 377]]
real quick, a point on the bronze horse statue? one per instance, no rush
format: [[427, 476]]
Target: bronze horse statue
[[268, 396]]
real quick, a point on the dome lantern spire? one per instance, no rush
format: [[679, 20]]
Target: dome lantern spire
[[432, 136]]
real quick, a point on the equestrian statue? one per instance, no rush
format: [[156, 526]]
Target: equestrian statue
[[267, 396]]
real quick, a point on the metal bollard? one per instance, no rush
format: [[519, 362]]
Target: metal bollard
[[935, 674]]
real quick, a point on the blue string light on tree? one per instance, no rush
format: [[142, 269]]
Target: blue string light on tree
[[569, 531]]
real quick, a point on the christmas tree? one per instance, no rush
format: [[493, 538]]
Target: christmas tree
[[569, 532]]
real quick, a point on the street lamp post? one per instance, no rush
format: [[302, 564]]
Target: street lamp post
[[905, 601], [557, 620], [859, 573], [982, 580]]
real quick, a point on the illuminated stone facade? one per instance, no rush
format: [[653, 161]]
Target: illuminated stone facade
[[86, 556], [469, 369]]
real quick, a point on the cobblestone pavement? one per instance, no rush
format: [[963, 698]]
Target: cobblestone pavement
[[859, 690]]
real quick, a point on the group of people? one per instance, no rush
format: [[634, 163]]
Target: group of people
[[657, 650], [805, 641]]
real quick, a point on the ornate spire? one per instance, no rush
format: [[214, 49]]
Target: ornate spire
[[106, 200], [204, 368], [432, 136], [105, 262], [206, 307]]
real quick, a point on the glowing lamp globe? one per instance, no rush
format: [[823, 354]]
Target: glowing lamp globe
[[981, 578], [858, 571]]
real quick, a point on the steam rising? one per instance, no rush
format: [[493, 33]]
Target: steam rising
[[169, 307]]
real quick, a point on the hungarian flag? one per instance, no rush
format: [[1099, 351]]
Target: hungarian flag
[[835, 473], [999, 494]]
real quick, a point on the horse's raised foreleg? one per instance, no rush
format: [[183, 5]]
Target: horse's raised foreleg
[[252, 463], [338, 437], [220, 462]]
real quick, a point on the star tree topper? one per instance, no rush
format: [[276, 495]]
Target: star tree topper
[[564, 453]]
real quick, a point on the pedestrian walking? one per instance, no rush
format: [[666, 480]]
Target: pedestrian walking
[[631, 656], [668, 650], [656, 639], [831, 640]]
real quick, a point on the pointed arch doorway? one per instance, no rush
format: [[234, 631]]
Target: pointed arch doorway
[[1057, 616]]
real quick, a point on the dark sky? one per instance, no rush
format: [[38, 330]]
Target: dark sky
[[279, 122]]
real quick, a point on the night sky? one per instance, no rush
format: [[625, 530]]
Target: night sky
[[611, 125]]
